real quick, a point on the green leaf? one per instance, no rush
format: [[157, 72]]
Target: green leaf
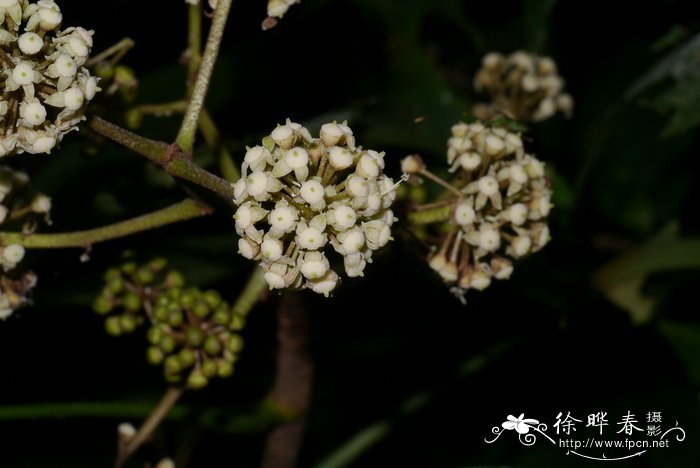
[[622, 279]]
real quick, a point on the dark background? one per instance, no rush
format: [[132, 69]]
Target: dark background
[[624, 169]]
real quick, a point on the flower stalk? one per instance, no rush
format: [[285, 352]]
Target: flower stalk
[[184, 210]]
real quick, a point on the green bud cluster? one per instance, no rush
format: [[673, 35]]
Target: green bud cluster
[[192, 333], [194, 337], [131, 289]]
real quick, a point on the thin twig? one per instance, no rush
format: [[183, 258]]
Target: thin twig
[[185, 138], [154, 419], [174, 161], [184, 210]]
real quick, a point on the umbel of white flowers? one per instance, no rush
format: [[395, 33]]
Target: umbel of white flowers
[[301, 198], [45, 87], [524, 86], [501, 211]]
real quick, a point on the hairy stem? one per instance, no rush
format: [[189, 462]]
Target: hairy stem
[[429, 216], [184, 210], [194, 44], [174, 161], [185, 138], [116, 52], [212, 136], [154, 419], [292, 389]]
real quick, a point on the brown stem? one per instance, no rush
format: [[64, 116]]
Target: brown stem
[[154, 419], [174, 161], [292, 389]]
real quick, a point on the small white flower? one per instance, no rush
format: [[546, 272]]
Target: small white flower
[[271, 249], [340, 158], [326, 284], [283, 136], [30, 43], [23, 73], [331, 133], [13, 253], [312, 191], [489, 239], [465, 214], [517, 214], [357, 186], [311, 239], [283, 218], [296, 158], [488, 186], [315, 265]]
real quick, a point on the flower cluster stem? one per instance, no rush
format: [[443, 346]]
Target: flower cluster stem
[[184, 210], [185, 138]]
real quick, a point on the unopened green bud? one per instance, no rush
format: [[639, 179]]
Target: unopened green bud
[[144, 275], [235, 343], [224, 369], [154, 355], [111, 274], [222, 316], [157, 264], [174, 279], [154, 334], [175, 318], [172, 365], [212, 345], [132, 302], [112, 326], [102, 304], [187, 358], [134, 118], [160, 313], [194, 336], [201, 309], [167, 344], [237, 322], [197, 380], [127, 323], [212, 298], [115, 285], [188, 298], [129, 267], [209, 368]]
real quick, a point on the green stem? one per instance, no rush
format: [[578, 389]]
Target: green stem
[[186, 209], [212, 136], [185, 138], [165, 109], [174, 161], [194, 41], [435, 215], [250, 294], [154, 419], [117, 51]]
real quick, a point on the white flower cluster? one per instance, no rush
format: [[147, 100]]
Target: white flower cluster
[[300, 196], [46, 87], [278, 8], [524, 86], [502, 211]]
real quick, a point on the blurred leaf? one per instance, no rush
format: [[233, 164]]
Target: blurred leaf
[[669, 66], [671, 38], [685, 340], [536, 15], [621, 280]]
